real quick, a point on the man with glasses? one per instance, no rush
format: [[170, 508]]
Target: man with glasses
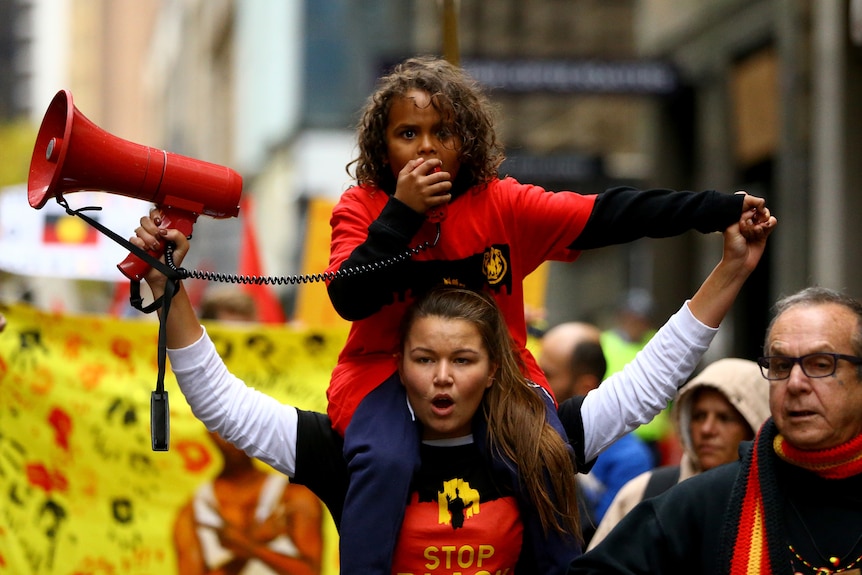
[[777, 367], [793, 503]]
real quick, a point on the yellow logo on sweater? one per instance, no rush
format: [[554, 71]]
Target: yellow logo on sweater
[[494, 265]]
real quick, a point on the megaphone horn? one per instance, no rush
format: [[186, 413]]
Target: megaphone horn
[[73, 154]]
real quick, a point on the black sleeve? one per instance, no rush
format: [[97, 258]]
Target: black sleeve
[[625, 214], [660, 480], [569, 413], [678, 531], [359, 295], [320, 463]]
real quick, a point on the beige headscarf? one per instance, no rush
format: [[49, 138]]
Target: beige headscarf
[[740, 381]]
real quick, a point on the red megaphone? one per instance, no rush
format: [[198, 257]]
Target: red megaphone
[[73, 154]]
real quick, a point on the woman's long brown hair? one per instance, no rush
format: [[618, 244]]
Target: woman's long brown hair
[[517, 423]]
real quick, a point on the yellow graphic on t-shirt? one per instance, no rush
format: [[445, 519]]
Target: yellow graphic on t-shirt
[[494, 265], [456, 503]]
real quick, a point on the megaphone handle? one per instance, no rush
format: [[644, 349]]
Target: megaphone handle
[[134, 267]]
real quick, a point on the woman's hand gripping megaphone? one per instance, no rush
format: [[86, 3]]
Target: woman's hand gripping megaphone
[[157, 230], [160, 222]]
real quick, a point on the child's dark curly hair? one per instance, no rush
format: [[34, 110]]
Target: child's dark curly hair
[[455, 95]]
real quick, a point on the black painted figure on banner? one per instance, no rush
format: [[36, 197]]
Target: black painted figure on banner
[[793, 502], [463, 380], [427, 175], [29, 345]]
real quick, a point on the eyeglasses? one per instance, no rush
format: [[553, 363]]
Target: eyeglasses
[[813, 365]]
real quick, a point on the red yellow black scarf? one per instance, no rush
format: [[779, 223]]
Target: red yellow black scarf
[[755, 509], [838, 462]]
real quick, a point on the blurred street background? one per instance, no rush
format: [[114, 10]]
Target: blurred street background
[[727, 94]]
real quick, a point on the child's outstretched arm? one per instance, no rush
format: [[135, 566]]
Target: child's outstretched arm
[[623, 214], [636, 394]]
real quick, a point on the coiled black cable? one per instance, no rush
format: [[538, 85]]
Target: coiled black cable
[[297, 279]]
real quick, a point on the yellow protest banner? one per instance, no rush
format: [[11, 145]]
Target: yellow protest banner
[[81, 491]]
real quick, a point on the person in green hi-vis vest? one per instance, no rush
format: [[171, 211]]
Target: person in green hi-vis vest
[[632, 329]]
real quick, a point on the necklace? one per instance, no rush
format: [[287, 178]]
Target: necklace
[[833, 560]]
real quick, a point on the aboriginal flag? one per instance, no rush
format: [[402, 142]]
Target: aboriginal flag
[[70, 230]]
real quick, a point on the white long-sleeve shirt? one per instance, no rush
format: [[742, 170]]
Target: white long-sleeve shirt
[[265, 428]]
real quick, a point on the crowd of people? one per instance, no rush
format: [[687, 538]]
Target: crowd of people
[[444, 432], [791, 503]]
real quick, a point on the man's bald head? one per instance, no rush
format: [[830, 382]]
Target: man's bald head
[[571, 358]]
